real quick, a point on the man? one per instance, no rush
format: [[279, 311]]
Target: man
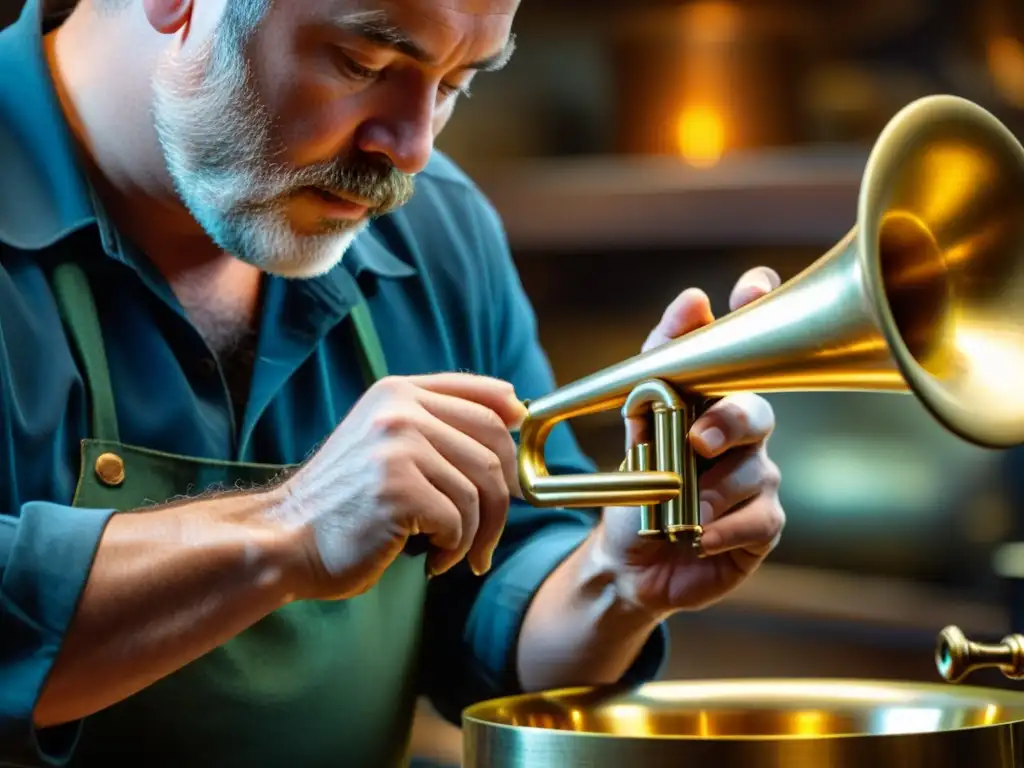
[[232, 267]]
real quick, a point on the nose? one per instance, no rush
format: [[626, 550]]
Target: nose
[[405, 137]]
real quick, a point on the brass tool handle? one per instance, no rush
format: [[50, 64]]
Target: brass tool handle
[[957, 657]]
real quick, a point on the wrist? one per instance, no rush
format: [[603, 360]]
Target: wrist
[[267, 535], [620, 582]]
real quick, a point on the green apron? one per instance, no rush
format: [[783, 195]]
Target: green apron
[[314, 684]]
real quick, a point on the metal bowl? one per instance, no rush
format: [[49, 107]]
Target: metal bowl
[[812, 723]]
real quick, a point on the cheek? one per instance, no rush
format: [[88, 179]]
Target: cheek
[[318, 124], [442, 116], [313, 111]]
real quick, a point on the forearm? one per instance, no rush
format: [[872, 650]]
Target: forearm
[[579, 630], [166, 586]]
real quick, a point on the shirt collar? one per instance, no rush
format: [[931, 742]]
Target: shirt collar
[[43, 184]]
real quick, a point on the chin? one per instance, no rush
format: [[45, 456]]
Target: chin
[[308, 257]]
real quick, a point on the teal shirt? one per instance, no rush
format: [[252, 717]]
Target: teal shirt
[[443, 292]]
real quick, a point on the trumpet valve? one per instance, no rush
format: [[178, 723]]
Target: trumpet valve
[[639, 460], [957, 657]]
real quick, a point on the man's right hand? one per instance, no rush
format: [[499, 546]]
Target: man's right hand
[[429, 455]]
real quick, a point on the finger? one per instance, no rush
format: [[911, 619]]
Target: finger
[[434, 515], [452, 524], [482, 495], [735, 479], [752, 285], [741, 419], [482, 425], [495, 394], [689, 311], [754, 527]]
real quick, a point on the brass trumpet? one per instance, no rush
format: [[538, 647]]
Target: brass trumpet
[[924, 295]]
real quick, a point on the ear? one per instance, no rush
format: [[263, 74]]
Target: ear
[[167, 16]]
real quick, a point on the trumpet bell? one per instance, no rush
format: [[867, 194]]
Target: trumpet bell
[[726, 723], [941, 251]]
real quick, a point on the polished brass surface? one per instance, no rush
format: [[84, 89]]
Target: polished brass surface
[[957, 657], [724, 723], [921, 296]]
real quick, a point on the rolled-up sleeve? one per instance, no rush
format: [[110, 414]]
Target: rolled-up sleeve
[[473, 624], [46, 553]]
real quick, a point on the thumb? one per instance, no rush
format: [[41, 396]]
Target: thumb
[[689, 311]]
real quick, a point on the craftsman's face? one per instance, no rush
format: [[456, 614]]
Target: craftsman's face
[[285, 146]]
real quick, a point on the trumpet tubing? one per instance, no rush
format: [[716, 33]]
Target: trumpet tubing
[[922, 296]]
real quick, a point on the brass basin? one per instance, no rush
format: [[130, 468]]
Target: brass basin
[[811, 723]]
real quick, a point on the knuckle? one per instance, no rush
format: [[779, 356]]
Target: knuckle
[[395, 458], [747, 414], [491, 466], [390, 385], [468, 498], [771, 474], [775, 521], [492, 422], [736, 416], [392, 421]]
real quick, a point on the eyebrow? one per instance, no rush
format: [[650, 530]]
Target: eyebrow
[[376, 28]]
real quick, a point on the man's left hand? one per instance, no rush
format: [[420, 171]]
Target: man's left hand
[[739, 502]]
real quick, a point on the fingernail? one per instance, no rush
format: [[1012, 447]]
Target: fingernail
[[517, 423], [481, 571], [710, 541], [712, 439]]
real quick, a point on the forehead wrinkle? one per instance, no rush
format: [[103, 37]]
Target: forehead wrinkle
[[381, 27]]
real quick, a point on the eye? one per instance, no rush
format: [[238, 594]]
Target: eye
[[353, 69], [447, 89]]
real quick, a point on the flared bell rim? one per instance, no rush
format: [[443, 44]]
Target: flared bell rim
[[993, 434], [780, 695]]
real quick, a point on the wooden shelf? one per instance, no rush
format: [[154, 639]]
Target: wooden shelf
[[764, 199]]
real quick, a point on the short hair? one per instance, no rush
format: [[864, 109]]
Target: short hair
[[241, 17]]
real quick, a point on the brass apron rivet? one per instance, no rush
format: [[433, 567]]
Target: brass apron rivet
[[110, 469]]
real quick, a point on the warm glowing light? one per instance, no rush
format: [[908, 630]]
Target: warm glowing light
[[629, 720], [701, 136], [1006, 64], [811, 723]]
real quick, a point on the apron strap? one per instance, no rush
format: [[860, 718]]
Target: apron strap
[[75, 302], [372, 358]]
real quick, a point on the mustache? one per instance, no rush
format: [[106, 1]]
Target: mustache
[[371, 178]]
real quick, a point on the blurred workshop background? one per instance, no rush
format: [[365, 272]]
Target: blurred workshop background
[[638, 148]]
